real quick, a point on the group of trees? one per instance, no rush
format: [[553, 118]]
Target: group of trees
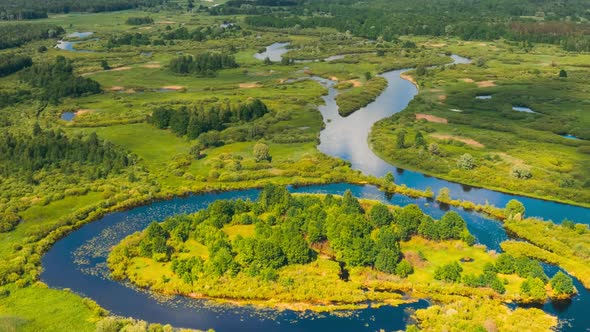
[[12, 63], [198, 120], [286, 228], [135, 20], [57, 80], [133, 39], [205, 64], [33, 9], [17, 34], [202, 34], [487, 20], [54, 149]]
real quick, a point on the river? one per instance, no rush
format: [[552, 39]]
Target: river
[[78, 261]]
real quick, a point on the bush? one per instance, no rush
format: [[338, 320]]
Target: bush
[[404, 269], [8, 222], [521, 172], [562, 284], [466, 162], [449, 272]]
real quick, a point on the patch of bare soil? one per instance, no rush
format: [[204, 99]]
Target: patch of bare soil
[[468, 80], [152, 65], [485, 84], [409, 78], [117, 88], [442, 98], [415, 259], [431, 118], [173, 87], [355, 83], [250, 85], [83, 111], [468, 141]]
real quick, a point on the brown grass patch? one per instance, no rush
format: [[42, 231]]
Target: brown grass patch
[[431, 118], [355, 83], [250, 85], [485, 84], [333, 78], [152, 65], [173, 87], [117, 88], [119, 68], [415, 259], [442, 98], [166, 22], [83, 111], [436, 44], [468, 80], [468, 141]]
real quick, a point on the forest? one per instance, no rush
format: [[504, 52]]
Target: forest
[[32, 9], [204, 64], [495, 20], [17, 34], [56, 80], [196, 121]]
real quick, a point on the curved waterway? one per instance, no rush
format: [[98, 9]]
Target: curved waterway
[[78, 261]]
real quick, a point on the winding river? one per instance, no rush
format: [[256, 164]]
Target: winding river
[[78, 261]]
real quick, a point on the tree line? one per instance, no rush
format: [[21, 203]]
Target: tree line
[[204, 64], [200, 119], [46, 148], [12, 63], [484, 20], [34, 9], [135, 20], [56, 80], [17, 34]]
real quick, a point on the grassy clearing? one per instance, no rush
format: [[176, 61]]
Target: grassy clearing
[[556, 164]]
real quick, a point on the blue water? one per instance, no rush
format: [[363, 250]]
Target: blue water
[[484, 97], [68, 116], [570, 136], [522, 109], [78, 261]]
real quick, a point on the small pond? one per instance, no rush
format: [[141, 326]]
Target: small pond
[[483, 97], [522, 109], [570, 136], [68, 116]]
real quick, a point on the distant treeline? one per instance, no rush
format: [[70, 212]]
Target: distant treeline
[[34, 9], [46, 148], [11, 64], [469, 20], [205, 64], [14, 35], [57, 80], [198, 120], [182, 33]]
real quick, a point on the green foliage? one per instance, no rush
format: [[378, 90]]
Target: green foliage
[[8, 221], [205, 64], [562, 73], [534, 288], [488, 278], [408, 220], [356, 98], [380, 215], [199, 119], [262, 152], [12, 64], [404, 269], [386, 261], [57, 80], [521, 172], [14, 35], [449, 272], [46, 149], [562, 284], [514, 208], [135, 20], [506, 264], [466, 162]]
